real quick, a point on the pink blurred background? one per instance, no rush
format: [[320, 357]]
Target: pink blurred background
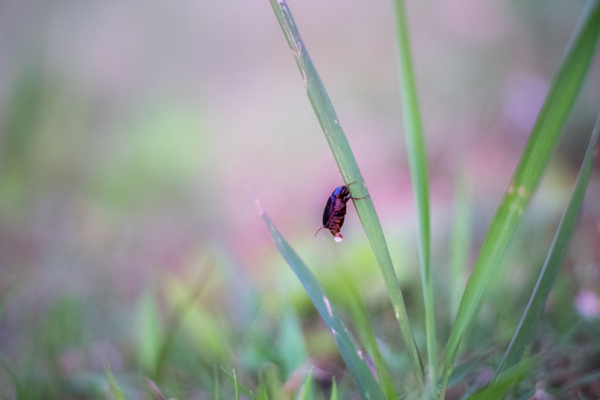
[[134, 133]]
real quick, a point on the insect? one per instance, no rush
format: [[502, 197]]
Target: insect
[[335, 211]]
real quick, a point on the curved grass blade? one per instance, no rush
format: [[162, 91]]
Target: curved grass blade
[[543, 139], [553, 261], [350, 174], [417, 161], [353, 356]]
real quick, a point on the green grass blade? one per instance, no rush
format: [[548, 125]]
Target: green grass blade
[[292, 345], [543, 139], [417, 161], [553, 261], [239, 387], [175, 321], [217, 393], [114, 391], [262, 389], [306, 389], [353, 356], [499, 389], [334, 395], [235, 385], [350, 174]]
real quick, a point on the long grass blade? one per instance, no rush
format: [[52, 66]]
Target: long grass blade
[[334, 395], [352, 354], [350, 174], [553, 261], [543, 139], [417, 161]]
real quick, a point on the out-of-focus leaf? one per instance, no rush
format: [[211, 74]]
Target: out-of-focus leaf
[[333, 390], [149, 334], [353, 298], [292, 345], [306, 389], [204, 328], [114, 392], [499, 388], [238, 386]]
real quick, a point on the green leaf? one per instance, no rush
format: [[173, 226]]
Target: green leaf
[[553, 261], [498, 389], [150, 334], [541, 143], [235, 385], [262, 389], [333, 390], [417, 161], [460, 242], [114, 391], [350, 172], [306, 389], [352, 354], [239, 387], [292, 345], [217, 395]]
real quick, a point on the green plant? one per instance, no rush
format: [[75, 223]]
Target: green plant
[[543, 140]]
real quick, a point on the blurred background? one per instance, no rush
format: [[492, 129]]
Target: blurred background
[[134, 135]]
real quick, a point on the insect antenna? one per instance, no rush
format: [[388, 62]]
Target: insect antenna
[[319, 229]]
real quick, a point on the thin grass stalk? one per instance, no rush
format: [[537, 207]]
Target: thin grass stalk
[[541, 143], [553, 261], [417, 160], [350, 173]]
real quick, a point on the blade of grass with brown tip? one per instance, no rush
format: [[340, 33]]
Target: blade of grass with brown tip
[[541, 143], [352, 354], [350, 174], [553, 261]]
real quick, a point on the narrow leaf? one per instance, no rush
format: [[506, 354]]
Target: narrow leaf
[[417, 161], [239, 387], [543, 139], [553, 261], [350, 172], [352, 354], [114, 391]]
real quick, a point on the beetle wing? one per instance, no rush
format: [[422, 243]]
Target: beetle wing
[[328, 211]]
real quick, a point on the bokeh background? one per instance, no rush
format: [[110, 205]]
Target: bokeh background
[[134, 136]]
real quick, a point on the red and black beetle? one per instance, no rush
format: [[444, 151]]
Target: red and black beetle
[[335, 211]]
